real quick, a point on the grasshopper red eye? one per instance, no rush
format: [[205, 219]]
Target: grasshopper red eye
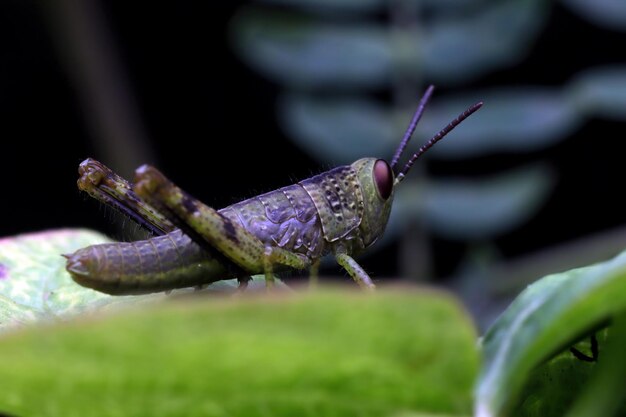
[[383, 178]]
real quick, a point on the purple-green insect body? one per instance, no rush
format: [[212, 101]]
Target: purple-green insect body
[[342, 211]]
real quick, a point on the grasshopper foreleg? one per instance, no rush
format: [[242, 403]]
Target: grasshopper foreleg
[[213, 228], [355, 270]]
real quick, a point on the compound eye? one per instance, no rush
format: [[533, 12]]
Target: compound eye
[[383, 177]]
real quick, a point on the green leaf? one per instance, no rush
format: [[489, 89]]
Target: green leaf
[[35, 286], [300, 51], [339, 130], [330, 352], [607, 13], [474, 209], [553, 386], [604, 394], [294, 49], [336, 6], [601, 91], [343, 129], [511, 120], [369, 6], [547, 318], [461, 48]]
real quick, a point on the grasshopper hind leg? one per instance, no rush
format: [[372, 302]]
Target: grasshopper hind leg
[[104, 185], [212, 230]]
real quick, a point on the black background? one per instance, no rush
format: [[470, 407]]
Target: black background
[[212, 125]]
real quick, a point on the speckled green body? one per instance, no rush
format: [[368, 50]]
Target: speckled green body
[[338, 210]]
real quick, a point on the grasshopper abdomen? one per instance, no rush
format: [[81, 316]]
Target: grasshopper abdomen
[[157, 264]]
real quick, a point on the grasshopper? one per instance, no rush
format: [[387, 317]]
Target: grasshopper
[[341, 212]]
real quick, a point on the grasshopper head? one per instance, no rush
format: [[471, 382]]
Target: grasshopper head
[[379, 179], [377, 183]]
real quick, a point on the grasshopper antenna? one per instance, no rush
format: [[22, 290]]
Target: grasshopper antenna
[[443, 132], [409, 131]]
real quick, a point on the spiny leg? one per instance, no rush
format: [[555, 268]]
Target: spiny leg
[[355, 270], [212, 228], [101, 183]]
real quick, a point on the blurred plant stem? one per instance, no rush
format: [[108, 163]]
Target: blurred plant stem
[[86, 48], [414, 253]]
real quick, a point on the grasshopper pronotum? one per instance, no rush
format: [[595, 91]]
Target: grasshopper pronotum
[[342, 211]]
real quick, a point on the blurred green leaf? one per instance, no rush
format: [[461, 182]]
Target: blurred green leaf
[[340, 130], [461, 48], [320, 353], [552, 387], [511, 120], [601, 91], [606, 13], [344, 129], [475, 209], [362, 6], [351, 6], [604, 394], [34, 285], [547, 318], [301, 51]]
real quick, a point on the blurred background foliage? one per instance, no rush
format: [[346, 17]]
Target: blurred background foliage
[[334, 61], [232, 100]]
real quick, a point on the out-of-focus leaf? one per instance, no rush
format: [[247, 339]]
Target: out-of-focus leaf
[[351, 6], [606, 13], [322, 353], [553, 386], [339, 130], [365, 6], [295, 49], [34, 284], [547, 318], [601, 91], [301, 51], [342, 130], [510, 120], [604, 394], [476, 209], [458, 49]]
